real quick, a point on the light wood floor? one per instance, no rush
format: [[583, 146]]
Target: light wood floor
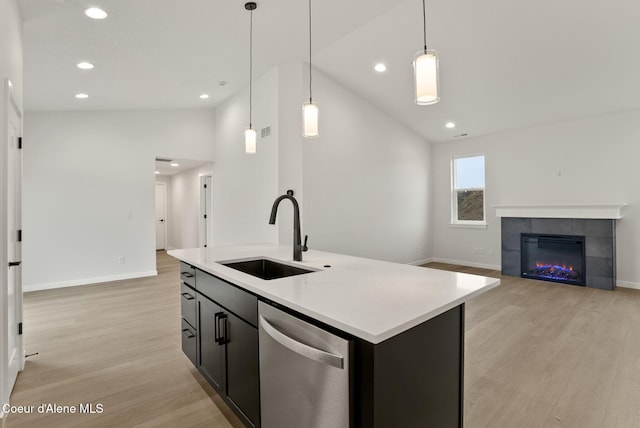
[[537, 355], [117, 344], [540, 354]]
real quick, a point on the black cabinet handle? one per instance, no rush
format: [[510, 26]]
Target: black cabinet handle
[[216, 325], [188, 334], [187, 274], [187, 296], [220, 333], [12, 264]]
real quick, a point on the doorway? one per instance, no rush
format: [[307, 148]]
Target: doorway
[[12, 357], [161, 216], [188, 202]]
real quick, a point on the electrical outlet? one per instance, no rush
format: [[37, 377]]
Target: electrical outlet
[[490, 251], [479, 251], [120, 260]]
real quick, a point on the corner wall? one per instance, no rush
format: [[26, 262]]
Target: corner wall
[[367, 180], [244, 186], [587, 161], [89, 190], [363, 185]]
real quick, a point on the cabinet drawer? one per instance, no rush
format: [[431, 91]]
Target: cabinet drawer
[[188, 274], [189, 341], [240, 302], [188, 303]]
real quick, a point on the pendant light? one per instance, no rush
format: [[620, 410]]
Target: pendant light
[[425, 70], [310, 110], [250, 133]]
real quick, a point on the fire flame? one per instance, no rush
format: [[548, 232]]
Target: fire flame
[[552, 266]]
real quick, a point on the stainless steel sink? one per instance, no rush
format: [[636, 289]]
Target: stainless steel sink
[[266, 269]]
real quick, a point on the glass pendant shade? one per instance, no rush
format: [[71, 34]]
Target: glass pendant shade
[[310, 120], [425, 70], [249, 140]]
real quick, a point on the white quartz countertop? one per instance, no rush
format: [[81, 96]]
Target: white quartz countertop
[[370, 299]]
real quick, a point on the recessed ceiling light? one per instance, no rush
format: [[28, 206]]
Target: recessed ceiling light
[[95, 13], [85, 65], [380, 67], [204, 96], [157, 172], [82, 96], [450, 125], [175, 164]]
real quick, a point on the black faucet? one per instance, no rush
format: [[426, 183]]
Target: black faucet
[[297, 244]]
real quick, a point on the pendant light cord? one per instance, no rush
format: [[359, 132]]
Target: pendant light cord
[[310, 97], [250, 68], [424, 26]]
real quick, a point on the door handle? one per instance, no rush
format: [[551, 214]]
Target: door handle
[[220, 334], [187, 296], [301, 348], [12, 264], [162, 220]]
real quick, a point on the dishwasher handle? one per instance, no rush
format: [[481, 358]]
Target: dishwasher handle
[[301, 348]]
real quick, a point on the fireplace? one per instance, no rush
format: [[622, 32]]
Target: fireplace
[[599, 266], [556, 258]]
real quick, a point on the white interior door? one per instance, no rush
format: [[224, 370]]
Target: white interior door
[[161, 216], [206, 210], [15, 350]]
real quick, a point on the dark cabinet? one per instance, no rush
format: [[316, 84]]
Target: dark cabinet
[[243, 387], [212, 358], [220, 337], [188, 311], [189, 342]]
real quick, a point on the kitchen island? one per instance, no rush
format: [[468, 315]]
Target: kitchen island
[[405, 326]]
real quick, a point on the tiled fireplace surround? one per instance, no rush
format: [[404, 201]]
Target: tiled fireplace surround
[[599, 233]]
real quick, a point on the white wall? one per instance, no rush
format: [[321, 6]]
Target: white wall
[[244, 186], [89, 190], [366, 181], [10, 68], [290, 146], [183, 207], [588, 161], [363, 185]]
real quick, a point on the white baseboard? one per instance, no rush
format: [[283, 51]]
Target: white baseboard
[[466, 263], [421, 262], [627, 284], [85, 281]]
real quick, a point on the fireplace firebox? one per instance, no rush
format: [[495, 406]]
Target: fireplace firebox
[[556, 258]]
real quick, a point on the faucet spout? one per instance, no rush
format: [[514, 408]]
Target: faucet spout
[[297, 241]]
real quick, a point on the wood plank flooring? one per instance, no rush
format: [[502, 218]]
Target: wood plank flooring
[[537, 355], [115, 344], [540, 354]]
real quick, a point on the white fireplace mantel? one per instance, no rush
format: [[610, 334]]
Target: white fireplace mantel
[[593, 211]]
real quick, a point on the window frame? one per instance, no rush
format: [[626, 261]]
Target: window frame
[[455, 222]]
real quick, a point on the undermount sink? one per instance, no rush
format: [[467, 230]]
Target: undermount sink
[[266, 269]]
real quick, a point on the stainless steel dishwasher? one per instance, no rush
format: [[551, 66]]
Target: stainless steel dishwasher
[[304, 373]]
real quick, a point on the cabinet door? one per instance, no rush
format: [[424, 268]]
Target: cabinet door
[[189, 346], [211, 361], [243, 387]]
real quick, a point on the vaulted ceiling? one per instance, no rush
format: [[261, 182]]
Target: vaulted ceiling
[[503, 64]]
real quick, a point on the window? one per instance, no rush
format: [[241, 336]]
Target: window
[[467, 196]]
